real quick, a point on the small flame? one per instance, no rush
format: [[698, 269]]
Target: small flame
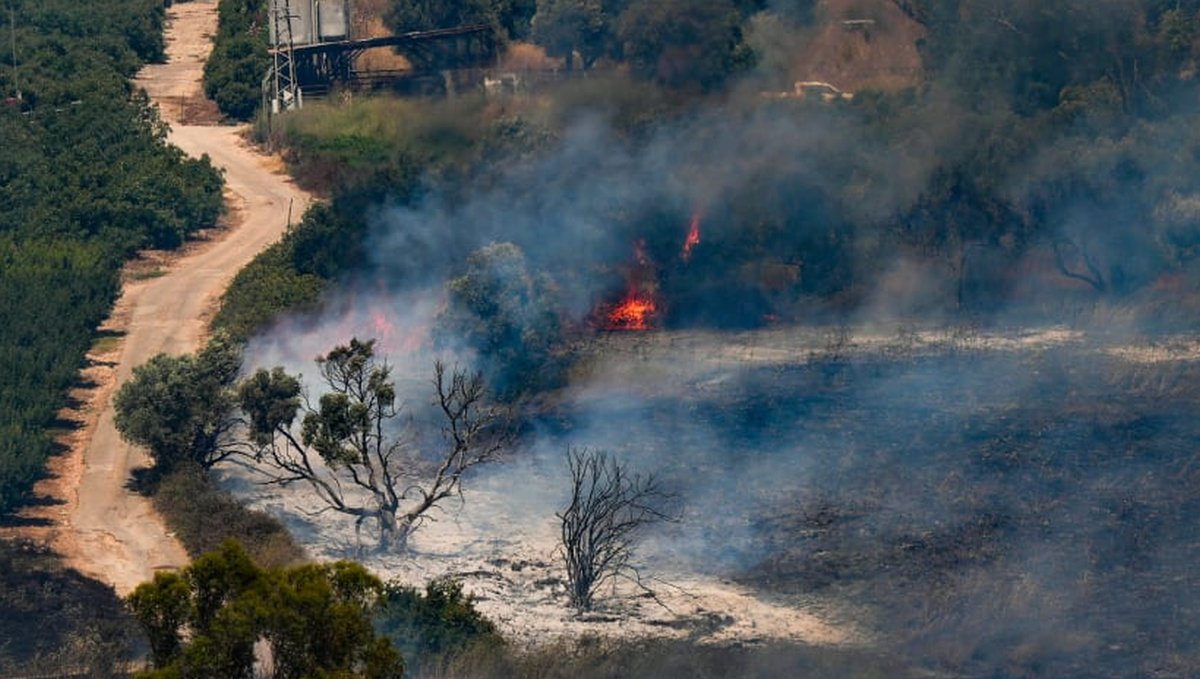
[[632, 313], [693, 236], [385, 332], [638, 307]]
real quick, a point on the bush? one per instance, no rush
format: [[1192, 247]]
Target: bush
[[509, 317], [234, 71], [435, 628], [203, 517], [233, 75], [290, 274]]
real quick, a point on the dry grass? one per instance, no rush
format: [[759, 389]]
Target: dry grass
[[882, 57], [203, 517]]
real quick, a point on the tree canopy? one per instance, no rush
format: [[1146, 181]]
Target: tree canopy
[[206, 620], [86, 178], [180, 407], [682, 43], [350, 448]]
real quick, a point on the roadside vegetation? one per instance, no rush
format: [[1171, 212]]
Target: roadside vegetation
[[86, 178], [238, 63]]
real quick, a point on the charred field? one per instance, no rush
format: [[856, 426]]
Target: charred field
[[996, 512], [973, 503]]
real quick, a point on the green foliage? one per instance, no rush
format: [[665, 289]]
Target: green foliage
[[434, 627], [234, 71], [683, 43], [291, 273], [86, 177], [424, 15], [52, 296], [564, 27], [510, 318], [205, 620], [233, 75], [179, 407]]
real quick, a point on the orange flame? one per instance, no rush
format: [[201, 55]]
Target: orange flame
[[693, 236], [637, 308], [632, 313]]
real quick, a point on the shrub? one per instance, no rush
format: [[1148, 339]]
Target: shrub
[[203, 517], [435, 627]]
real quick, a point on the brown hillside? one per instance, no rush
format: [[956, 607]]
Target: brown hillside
[[367, 22], [880, 55]]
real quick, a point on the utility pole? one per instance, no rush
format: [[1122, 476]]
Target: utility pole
[[12, 32], [286, 93]]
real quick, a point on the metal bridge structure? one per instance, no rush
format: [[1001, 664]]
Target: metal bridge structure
[[446, 48]]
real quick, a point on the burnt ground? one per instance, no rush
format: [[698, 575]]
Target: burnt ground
[[995, 513]]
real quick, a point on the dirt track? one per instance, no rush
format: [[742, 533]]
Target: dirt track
[[104, 529]]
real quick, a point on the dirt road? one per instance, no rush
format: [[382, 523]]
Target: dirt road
[[106, 530]]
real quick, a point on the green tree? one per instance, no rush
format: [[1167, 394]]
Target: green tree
[[347, 442], [683, 43], [508, 316], [233, 75], [162, 607], [564, 27], [179, 407], [205, 621], [424, 15], [432, 627], [235, 68]]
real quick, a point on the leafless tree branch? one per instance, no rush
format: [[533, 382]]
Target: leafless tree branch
[[346, 441], [609, 507]]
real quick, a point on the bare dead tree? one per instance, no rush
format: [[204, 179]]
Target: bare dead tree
[[609, 508], [1092, 276], [350, 450]]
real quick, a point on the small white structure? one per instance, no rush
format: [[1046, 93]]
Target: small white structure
[[816, 89]]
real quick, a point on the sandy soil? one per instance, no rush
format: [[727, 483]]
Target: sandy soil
[[500, 542], [101, 527]]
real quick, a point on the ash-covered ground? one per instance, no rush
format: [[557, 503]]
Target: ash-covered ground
[[999, 503]]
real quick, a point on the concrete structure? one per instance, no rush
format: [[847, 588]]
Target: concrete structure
[[309, 22]]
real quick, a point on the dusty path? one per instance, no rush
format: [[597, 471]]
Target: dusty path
[[104, 529]]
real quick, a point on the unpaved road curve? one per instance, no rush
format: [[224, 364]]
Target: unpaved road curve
[[110, 532]]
